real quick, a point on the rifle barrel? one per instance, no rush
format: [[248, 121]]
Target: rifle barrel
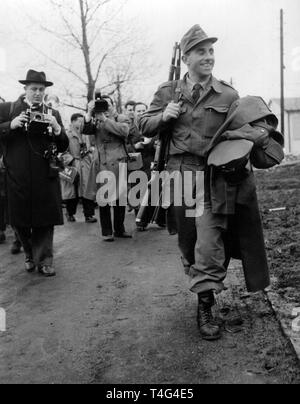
[[173, 63], [178, 63]]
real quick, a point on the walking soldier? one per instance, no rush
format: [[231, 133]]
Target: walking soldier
[[199, 111]]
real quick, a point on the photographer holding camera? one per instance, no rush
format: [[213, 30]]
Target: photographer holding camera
[[111, 132], [31, 136]]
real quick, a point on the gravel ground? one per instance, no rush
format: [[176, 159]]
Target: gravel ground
[[279, 189]]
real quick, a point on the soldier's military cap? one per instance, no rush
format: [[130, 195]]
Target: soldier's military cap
[[231, 155], [194, 37]]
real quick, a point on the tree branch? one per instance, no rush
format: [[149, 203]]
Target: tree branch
[[67, 69], [93, 12], [75, 107], [112, 17], [110, 51], [100, 66], [58, 36], [114, 83], [76, 39]]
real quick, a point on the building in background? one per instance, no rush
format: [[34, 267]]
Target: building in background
[[292, 123]]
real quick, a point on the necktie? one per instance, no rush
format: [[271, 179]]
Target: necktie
[[196, 92]]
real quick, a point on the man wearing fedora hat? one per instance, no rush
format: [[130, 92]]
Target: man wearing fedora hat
[[192, 110], [33, 186]]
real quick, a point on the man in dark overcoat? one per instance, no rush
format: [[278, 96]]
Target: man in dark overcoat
[[2, 201], [33, 187], [2, 195], [16, 246]]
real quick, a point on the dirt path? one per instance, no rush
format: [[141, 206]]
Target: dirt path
[[121, 313]]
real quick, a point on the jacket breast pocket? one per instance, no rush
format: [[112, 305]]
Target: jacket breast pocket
[[215, 116]]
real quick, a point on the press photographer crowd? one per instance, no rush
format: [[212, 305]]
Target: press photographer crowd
[[195, 124]]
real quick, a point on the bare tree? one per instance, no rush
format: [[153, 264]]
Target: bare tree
[[92, 45]]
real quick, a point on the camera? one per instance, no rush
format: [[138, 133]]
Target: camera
[[35, 116], [55, 163], [101, 105], [36, 121], [38, 117], [84, 151]]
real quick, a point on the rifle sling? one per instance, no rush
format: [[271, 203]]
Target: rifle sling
[[176, 94]]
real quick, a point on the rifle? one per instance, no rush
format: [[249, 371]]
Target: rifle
[[149, 213]]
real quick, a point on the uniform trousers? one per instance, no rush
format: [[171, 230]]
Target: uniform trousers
[[37, 243], [200, 239], [210, 268]]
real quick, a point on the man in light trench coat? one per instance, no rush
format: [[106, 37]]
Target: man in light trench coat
[[78, 156]]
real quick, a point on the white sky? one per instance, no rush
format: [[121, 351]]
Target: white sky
[[247, 50]]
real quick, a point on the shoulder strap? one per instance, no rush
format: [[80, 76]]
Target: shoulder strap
[[11, 109], [176, 90], [176, 95], [125, 149]]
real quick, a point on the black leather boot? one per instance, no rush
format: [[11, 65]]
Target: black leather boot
[[209, 330]]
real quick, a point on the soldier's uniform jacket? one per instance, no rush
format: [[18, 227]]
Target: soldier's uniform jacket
[[198, 122]]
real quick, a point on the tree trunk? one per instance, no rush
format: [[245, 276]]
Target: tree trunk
[[90, 91], [86, 53], [119, 95]]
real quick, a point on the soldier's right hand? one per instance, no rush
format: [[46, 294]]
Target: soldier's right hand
[[19, 121], [172, 112]]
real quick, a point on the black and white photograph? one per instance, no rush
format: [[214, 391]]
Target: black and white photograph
[[149, 195]]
